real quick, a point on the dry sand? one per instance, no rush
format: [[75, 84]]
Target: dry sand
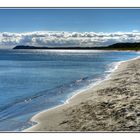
[[113, 105]]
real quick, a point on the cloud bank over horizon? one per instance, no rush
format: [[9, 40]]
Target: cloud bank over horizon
[[66, 39]]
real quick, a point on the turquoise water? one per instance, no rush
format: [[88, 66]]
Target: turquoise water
[[31, 81]]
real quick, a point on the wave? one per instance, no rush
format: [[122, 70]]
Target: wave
[[18, 107]]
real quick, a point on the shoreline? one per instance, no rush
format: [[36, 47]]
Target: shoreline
[[78, 93]]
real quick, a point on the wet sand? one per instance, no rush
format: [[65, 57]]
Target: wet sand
[[112, 105]]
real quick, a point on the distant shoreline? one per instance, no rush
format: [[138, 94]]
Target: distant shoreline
[[56, 119], [116, 46]]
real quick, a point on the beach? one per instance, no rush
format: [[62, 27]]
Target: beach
[[112, 105]]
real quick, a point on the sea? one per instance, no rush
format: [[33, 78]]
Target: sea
[[35, 80]]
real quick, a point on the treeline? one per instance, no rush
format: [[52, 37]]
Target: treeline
[[117, 46], [123, 46]]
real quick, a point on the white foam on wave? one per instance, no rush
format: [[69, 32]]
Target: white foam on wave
[[69, 51], [112, 66], [72, 50]]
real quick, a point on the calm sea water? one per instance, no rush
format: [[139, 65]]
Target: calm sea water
[[31, 81]]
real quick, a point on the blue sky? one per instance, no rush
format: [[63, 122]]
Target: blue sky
[[78, 20], [75, 27]]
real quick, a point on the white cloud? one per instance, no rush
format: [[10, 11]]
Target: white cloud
[[64, 39]]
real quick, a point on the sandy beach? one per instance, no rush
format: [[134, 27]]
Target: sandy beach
[[112, 105]]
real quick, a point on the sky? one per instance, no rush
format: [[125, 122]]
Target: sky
[[78, 20], [68, 27]]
